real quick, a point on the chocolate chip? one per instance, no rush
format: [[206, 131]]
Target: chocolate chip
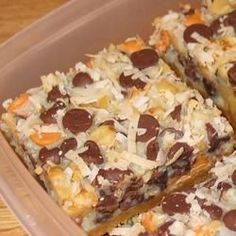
[[139, 84], [185, 153], [201, 201], [215, 25], [126, 81], [92, 154], [209, 86], [132, 195], [82, 79], [68, 144], [144, 58], [163, 230], [159, 178], [229, 220], [55, 94], [224, 139], [152, 150], [212, 136], [114, 175], [124, 93], [48, 116], [107, 204], [201, 29], [175, 203], [77, 120], [151, 126], [190, 190], [223, 186], [230, 19], [178, 133], [226, 20], [232, 74], [53, 155], [176, 113], [213, 210], [233, 177]]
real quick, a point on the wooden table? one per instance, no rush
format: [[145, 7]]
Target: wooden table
[[14, 16]]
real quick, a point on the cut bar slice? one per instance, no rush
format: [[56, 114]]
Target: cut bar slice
[[207, 208], [198, 173], [202, 50], [113, 132]]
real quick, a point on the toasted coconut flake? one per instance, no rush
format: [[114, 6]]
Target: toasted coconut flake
[[73, 156], [144, 163], [132, 131]]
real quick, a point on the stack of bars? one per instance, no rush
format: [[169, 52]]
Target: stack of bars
[[122, 128]]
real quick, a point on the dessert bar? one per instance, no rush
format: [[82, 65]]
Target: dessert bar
[[113, 132], [200, 45]]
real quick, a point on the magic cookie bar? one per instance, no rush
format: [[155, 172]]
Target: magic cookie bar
[[113, 132], [207, 209], [202, 49]]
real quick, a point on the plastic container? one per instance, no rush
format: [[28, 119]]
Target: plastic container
[[57, 42]]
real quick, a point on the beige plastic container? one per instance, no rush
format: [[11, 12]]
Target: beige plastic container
[[57, 42]]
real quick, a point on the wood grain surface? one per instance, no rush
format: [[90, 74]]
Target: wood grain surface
[[9, 225], [14, 16], [17, 14]]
